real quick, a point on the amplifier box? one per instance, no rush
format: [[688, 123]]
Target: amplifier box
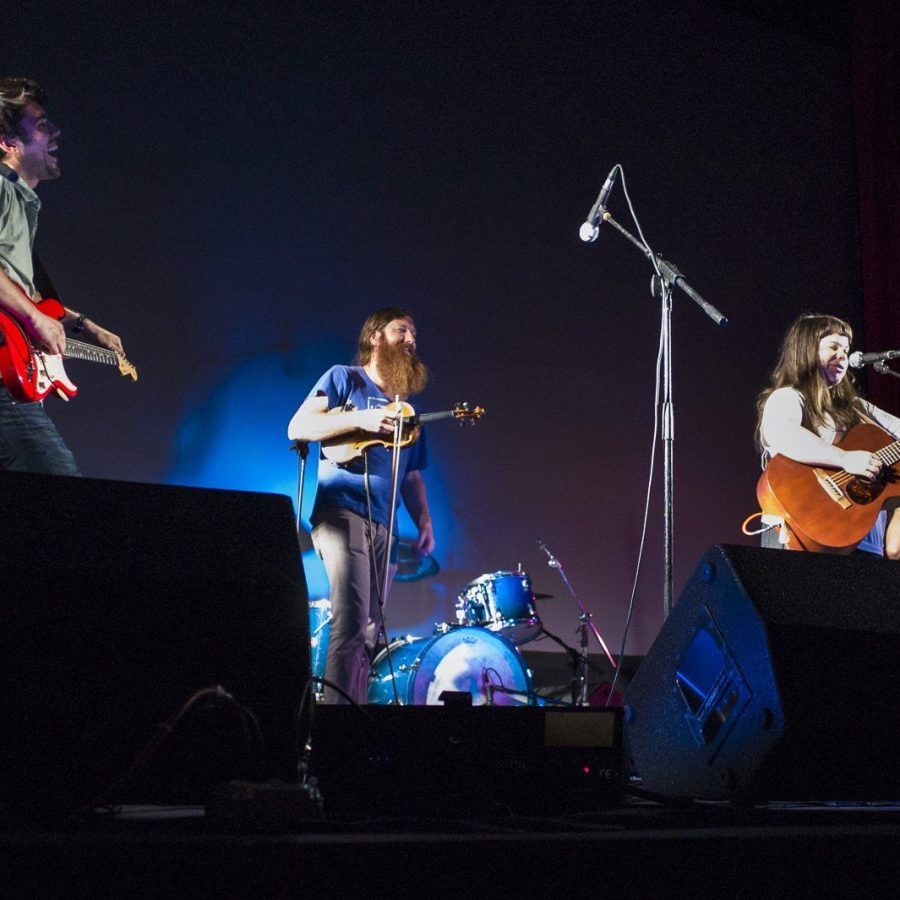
[[463, 760]]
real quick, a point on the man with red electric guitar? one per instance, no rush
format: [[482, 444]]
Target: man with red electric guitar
[[29, 440]]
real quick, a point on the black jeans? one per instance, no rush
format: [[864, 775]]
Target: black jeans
[[29, 441]]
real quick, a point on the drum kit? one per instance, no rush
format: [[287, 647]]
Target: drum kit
[[477, 655]]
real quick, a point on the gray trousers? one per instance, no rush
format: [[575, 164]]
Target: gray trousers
[[341, 541]]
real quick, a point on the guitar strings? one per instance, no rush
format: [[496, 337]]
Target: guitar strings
[[888, 455]]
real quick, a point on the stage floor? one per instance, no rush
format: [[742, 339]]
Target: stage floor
[[638, 848]]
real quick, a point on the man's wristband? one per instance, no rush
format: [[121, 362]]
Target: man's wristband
[[78, 327]]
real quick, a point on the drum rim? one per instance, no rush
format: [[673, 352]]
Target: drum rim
[[500, 573]]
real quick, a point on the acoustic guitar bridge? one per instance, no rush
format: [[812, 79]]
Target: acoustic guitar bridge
[[831, 488]]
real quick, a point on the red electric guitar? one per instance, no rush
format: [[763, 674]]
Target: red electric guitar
[[30, 374]]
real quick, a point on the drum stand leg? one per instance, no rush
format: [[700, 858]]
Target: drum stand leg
[[581, 666]]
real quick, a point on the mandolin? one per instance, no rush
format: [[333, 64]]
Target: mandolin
[[346, 447]]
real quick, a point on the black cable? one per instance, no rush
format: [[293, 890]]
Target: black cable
[[165, 732]]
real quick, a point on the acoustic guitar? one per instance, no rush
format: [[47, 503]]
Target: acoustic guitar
[[828, 509]]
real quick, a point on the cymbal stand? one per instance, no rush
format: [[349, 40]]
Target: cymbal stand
[[580, 685], [577, 661]]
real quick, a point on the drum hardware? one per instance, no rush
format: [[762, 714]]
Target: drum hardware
[[580, 667], [492, 689], [575, 662]]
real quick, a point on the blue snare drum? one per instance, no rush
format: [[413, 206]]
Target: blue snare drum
[[462, 659], [501, 601]]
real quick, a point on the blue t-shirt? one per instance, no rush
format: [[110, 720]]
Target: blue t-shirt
[[349, 387]]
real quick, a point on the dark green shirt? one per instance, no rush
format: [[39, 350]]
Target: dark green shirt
[[19, 208]]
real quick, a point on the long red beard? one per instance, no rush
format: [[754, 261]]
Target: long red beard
[[401, 372]]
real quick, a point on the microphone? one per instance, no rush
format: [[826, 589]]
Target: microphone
[[858, 360], [589, 231]]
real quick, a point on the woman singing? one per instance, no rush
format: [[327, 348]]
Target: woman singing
[[809, 406]]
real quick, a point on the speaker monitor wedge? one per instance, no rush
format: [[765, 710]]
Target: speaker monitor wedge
[[121, 600], [776, 676]]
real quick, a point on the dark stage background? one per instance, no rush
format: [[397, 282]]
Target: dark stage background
[[242, 185]]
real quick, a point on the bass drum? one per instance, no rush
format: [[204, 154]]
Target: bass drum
[[485, 664]]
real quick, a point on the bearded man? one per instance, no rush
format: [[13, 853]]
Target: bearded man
[[352, 511]]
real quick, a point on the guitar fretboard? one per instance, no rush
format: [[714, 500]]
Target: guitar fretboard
[[890, 454], [430, 417], [80, 350]]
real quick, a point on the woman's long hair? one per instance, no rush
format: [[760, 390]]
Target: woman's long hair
[[798, 367]]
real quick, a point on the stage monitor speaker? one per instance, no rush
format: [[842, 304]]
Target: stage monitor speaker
[[120, 601], [776, 677]]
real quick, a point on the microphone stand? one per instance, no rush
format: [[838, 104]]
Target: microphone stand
[[302, 450], [666, 276], [587, 622], [382, 599], [882, 369]]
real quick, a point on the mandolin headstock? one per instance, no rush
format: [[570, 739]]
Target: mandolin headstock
[[466, 414]]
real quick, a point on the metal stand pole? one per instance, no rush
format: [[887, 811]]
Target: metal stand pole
[[668, 439], [587, 623], [667, 276], [382, 599], [302, 450]]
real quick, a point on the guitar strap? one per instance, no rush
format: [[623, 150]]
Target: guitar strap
[[42, 283]]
